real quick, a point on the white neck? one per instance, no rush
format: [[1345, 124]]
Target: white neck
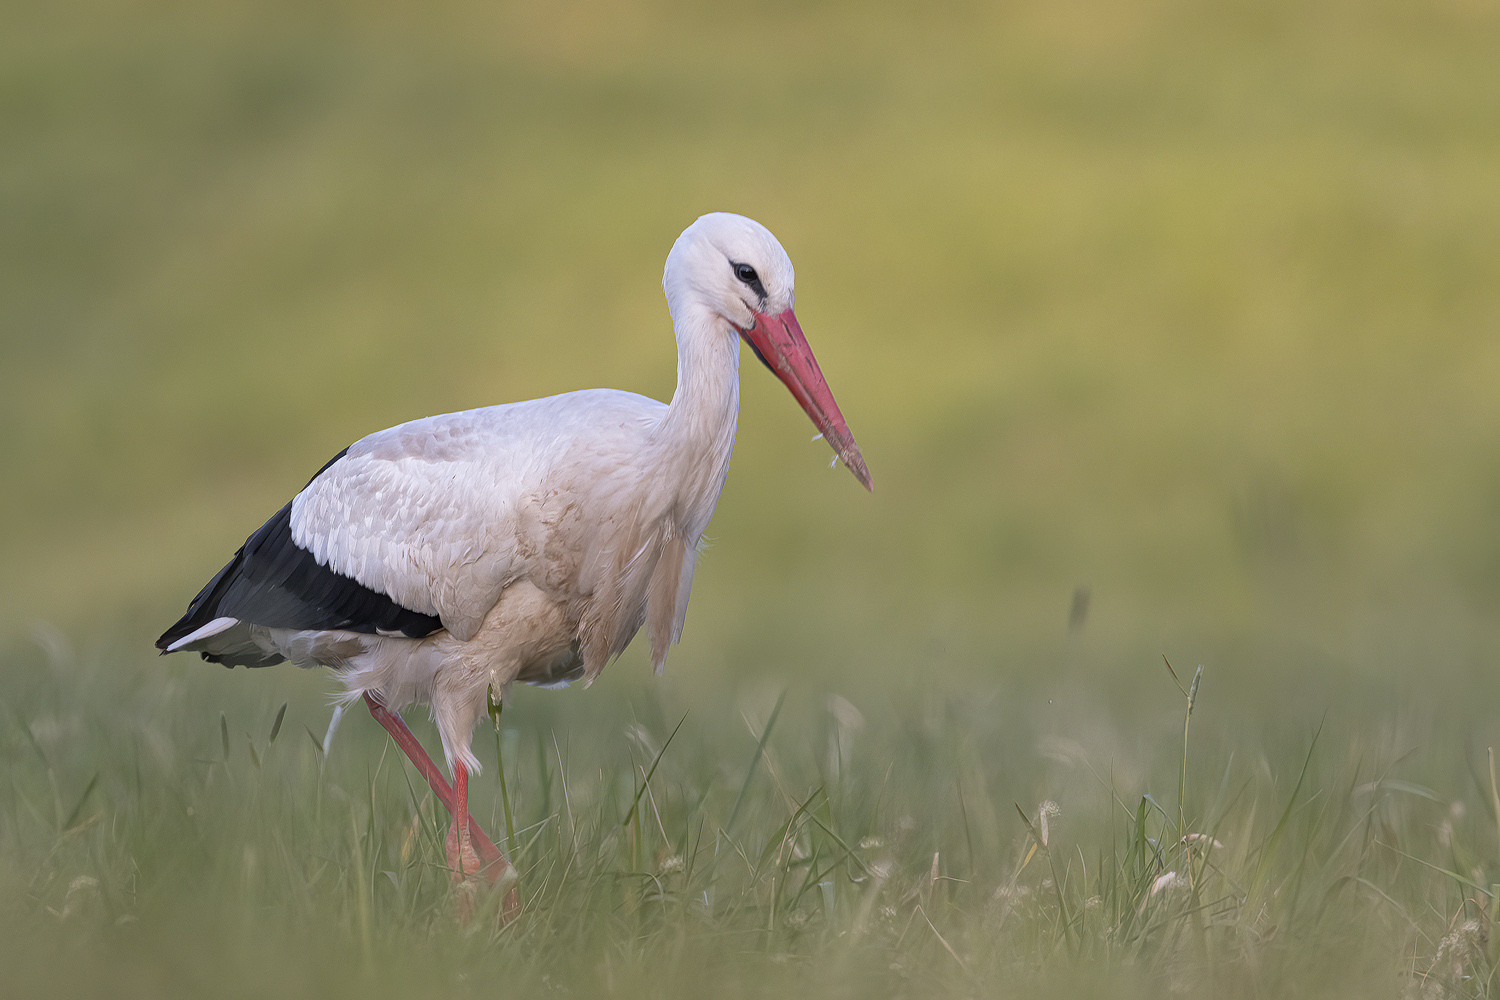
[[697, 433]]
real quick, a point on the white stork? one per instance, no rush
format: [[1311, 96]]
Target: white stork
[[447, 557]]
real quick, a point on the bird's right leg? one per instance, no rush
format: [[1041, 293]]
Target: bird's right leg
[[491, 863]]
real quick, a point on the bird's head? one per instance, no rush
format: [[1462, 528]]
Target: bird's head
[[733, 267]]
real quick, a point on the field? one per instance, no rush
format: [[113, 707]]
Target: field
[[1171, 334]]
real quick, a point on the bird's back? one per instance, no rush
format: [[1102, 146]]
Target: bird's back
[[422, 525]]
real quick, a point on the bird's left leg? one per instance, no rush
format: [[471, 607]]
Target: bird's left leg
[[481, 856], [463, 862], [462, 858]]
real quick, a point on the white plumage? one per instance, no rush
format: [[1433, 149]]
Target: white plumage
[[441, 558]]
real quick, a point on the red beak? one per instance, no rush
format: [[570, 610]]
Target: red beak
[[779, 343]]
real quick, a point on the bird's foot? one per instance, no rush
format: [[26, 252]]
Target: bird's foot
[[475, 863], [475, 859], [463, 860]]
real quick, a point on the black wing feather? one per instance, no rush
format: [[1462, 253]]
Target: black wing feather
[[274, 582]]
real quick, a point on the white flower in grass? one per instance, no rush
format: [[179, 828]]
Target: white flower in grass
[[1007, 898], [1043, 811], [1167, 881], [1454, 955], [82, 883], [844, 713]]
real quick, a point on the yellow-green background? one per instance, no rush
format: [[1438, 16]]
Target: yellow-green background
[[1195, 305]]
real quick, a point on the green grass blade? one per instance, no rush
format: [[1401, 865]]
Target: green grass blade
[[760, 748], [636, 802], [1268, 849]]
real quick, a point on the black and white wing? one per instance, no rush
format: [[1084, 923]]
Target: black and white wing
[[420, 527], [275, 583]]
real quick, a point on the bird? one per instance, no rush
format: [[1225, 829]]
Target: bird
[[444, 559]]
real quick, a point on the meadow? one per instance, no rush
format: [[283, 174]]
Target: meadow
[[1171, 334]]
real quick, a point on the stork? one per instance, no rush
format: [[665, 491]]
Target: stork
[[446, 558]]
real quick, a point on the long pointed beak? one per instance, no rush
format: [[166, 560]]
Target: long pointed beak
[[778, 342]]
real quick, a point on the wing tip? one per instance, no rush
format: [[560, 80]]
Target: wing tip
[[174, 639]]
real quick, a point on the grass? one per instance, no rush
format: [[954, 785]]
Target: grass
[[175, 833], [1167, 328]]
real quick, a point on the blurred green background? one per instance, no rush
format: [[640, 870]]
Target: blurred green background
[[1196, 306]]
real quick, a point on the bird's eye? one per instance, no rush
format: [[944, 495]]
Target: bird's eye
[[747, 274]]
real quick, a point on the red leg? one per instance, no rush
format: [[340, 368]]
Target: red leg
[[462, 858], [407, 741], [463, 863], [491, 861]]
